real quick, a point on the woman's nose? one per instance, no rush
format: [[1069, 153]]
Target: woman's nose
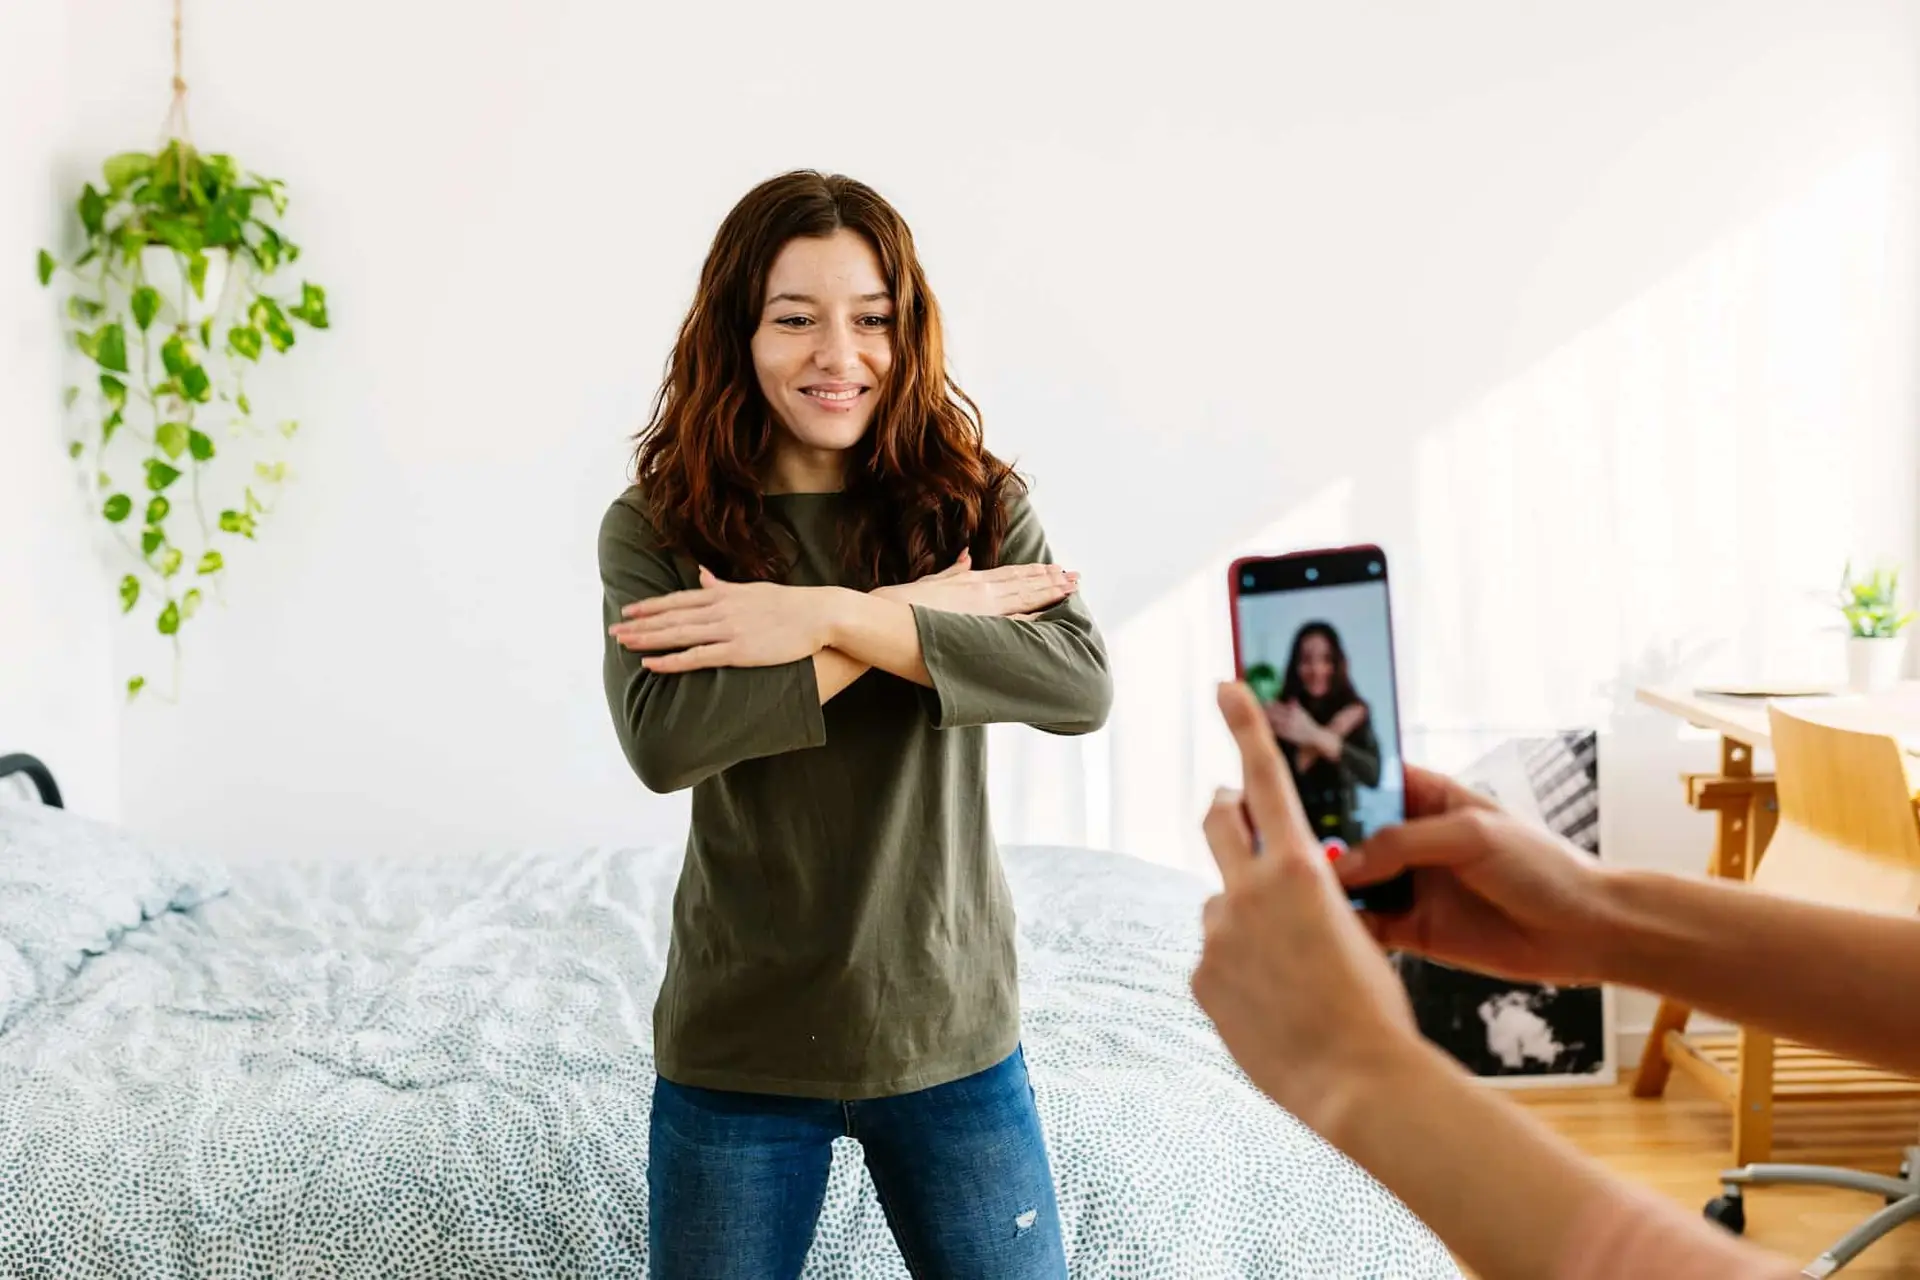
[[837, 350]]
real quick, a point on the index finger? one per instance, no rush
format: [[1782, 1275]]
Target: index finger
[[666, 603], [1430, 794], [1277, 815]]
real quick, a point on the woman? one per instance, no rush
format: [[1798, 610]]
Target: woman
[[1502, 896], [1325, 733], [819, 591]]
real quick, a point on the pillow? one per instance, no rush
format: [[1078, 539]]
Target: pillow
[[70, 887]]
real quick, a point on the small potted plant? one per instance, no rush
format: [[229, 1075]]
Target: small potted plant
[[1875, 645]]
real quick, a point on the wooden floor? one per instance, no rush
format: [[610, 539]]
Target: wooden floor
[[1677, 1145]]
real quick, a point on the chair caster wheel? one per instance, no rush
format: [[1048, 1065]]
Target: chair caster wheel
[[1729, 1211]]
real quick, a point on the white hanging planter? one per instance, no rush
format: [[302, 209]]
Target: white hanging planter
[[1873, 662], [166, 271]]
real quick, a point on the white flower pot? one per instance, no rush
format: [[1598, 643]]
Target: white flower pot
[[1874, 663], [166, 271]]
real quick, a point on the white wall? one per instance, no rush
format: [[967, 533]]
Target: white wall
[[56, 696], [1599, 315]]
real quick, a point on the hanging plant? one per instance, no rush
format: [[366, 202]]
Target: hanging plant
[[171, 299]]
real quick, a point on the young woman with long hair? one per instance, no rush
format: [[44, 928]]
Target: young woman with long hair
[[1325, 732], [818, 592]]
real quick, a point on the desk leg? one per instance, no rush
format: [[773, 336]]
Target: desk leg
[[1753, 1099], [1738, 836]]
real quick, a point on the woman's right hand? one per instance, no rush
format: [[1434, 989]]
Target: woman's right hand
[[1490, 893], [1012, 590]]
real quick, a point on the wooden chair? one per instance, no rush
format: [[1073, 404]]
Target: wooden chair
[[1848, 834]]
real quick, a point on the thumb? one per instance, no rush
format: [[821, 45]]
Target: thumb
[[708, 578], [1450, 840]]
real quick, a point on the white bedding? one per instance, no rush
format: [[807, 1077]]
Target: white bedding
[[443, 1068]]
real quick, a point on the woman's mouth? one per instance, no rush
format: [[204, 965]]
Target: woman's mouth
[[837, 398]]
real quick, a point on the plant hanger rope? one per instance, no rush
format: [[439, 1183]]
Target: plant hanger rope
[[176, 126]]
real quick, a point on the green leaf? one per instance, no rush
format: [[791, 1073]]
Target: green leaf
[[170, 562], [190, 602], [44, 265], [75, 449], [175, 355], [196, 384], [117, 508], [265, 314], [134, 686], [159, 474], [110, 348], [129, 593], [169, 620], [239, 522], [172, 438], [197, 274], [313, 306], [158, 509], [275, 474], [126, 168], [245, 341], [201, 444], [130, 240], [253, 503], [211, 562], [151, 540], [146, 305], [109, 426], [93, 210], [223, 229], [114, 390], [206, 334], [179, 235], [242, 403], [68, 396], [83, 309]]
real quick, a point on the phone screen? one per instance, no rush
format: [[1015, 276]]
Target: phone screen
[[1313, 639]]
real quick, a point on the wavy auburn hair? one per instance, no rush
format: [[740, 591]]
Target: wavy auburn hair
[[922, 484]]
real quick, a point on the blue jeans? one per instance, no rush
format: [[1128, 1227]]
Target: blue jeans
[[735, 1181]]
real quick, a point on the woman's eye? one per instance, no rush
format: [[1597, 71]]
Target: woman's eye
[[794, 322], [875, 322]]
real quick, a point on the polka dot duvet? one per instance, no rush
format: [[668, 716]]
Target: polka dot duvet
[[442, 1068]]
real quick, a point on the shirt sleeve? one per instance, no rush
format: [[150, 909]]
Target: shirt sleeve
[[679, 729], [1360, 755], [1049, 672], [1633, 1233]]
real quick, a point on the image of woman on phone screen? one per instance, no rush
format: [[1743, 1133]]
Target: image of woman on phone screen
[[1325, 732], [818, 593]]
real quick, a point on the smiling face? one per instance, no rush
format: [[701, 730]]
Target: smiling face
[[1316, 665], [821, 352]]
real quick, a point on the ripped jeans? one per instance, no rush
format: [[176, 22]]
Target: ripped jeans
[[735, 1181]]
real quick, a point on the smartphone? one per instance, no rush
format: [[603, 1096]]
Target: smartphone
[[1313, 639]]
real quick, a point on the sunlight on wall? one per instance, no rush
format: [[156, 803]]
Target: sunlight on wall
[[1668, 495], [1692, 470]]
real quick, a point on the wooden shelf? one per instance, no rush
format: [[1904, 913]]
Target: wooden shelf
[[1800, 1074]]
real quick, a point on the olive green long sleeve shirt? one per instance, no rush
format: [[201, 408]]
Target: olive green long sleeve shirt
[[841, 928]]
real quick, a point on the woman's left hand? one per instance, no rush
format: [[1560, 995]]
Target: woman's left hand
[[1291, 721], [1301, 994], [727, 624]]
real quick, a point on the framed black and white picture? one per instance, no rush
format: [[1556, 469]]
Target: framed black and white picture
[[1518, 1033]]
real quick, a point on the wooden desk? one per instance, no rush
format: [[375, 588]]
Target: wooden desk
[[1743, 719], [1740, 1067]]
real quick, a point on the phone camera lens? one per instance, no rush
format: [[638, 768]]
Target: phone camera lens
[[1246, 579], [1373, 567], [1313, 575]]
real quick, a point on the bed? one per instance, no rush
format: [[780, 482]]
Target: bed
[[441, 1067]]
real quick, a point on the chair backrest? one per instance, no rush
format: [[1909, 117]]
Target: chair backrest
[[1848, 833]]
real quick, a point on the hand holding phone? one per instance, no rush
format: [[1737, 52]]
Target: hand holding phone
[[1313, 640]]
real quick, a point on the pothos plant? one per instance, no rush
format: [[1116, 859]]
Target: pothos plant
[[1871, 605], [170, 305]]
